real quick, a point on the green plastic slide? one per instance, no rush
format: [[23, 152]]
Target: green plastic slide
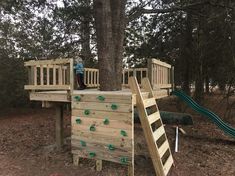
[[209, 114]]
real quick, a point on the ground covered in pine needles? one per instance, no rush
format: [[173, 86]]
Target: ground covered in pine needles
[[27, 138]]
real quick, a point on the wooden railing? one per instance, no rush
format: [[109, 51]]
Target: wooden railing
[[139, 73], [91, 77], [50, 74], [59, 75], [160, 74]]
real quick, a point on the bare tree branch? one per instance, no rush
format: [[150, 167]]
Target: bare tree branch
[[140, 11]]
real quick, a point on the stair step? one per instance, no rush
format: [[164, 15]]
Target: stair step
[[158, 133], [149, 102], [168, 165], [163, 148], [153, 117]]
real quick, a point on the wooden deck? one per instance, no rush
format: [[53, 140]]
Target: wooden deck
[[64, 96]]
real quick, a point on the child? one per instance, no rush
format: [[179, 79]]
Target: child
[[80, 73]]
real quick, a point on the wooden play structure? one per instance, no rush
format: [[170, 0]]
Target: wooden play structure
[[102, 122]]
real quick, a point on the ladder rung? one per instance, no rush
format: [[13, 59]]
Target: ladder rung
[[168, 165], [149, 102], [158, 133], [163, 148], [153, 117]]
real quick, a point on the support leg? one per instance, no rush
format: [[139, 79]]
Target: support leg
[[75, 160], [98, 165], [131, 170], [59, 127]]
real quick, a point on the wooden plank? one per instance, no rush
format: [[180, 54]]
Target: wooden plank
[[158, 62], [46, 62], [102, 114], [149, 102], [163, 148], [60, 77], [107, 98], [153, 117], [116, 124], [41, 75], [48, 76], [102, 106], [71, 76], [76, 130], [97, 147], [101, 156], [47, 87], [35, 76], [118, 141], [53, 97], [168, 164], [54, 75], [158, 133]]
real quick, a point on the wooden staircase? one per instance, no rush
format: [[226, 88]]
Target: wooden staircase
[[153, 128]]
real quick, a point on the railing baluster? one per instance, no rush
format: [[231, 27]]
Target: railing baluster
[[41, 75], [48, 75]]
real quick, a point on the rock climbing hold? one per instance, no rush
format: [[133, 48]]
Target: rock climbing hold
[[78, 98], [111, 147], [123, 133], [106, 121], [92, 128], [101, 98], [114, 107], [124, 160], [83, 143], [92, 154], [87, 112], [78, 121]]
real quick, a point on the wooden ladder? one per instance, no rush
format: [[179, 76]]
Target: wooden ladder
[[153, 128]]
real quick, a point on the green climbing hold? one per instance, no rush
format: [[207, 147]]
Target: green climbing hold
[[111, 147], [123, 133], [78, 121], [92, 128], [92, 154], [124, 160], [87, 112], [114, 107], [83, 143], [78, 98], [106, 121], [101, 98]]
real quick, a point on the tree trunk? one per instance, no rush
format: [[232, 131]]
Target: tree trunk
[[85, 34], [110, 25]]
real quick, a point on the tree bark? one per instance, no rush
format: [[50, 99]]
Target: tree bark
[[110, 25], [85, 29]]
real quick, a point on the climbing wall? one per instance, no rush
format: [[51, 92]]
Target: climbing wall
[[102, 126]]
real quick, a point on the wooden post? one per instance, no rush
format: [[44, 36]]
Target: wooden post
[[59, 126], [172, 78], [150, 76], [98, 165]]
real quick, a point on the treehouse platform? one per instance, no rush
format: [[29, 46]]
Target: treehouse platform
[[102, 122]]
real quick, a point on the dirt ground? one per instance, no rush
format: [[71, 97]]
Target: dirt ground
[[27, 138]]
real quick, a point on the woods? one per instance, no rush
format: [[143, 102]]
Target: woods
[[196, 37]]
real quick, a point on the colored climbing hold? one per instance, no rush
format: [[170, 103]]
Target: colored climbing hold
[[92, 128], [83, 143], [111, 147], [78, 98], [123, 133], [114, 107], [124, 160], [92, 154], [87, 112], [101, 98], [78, 121], [106, 121]]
